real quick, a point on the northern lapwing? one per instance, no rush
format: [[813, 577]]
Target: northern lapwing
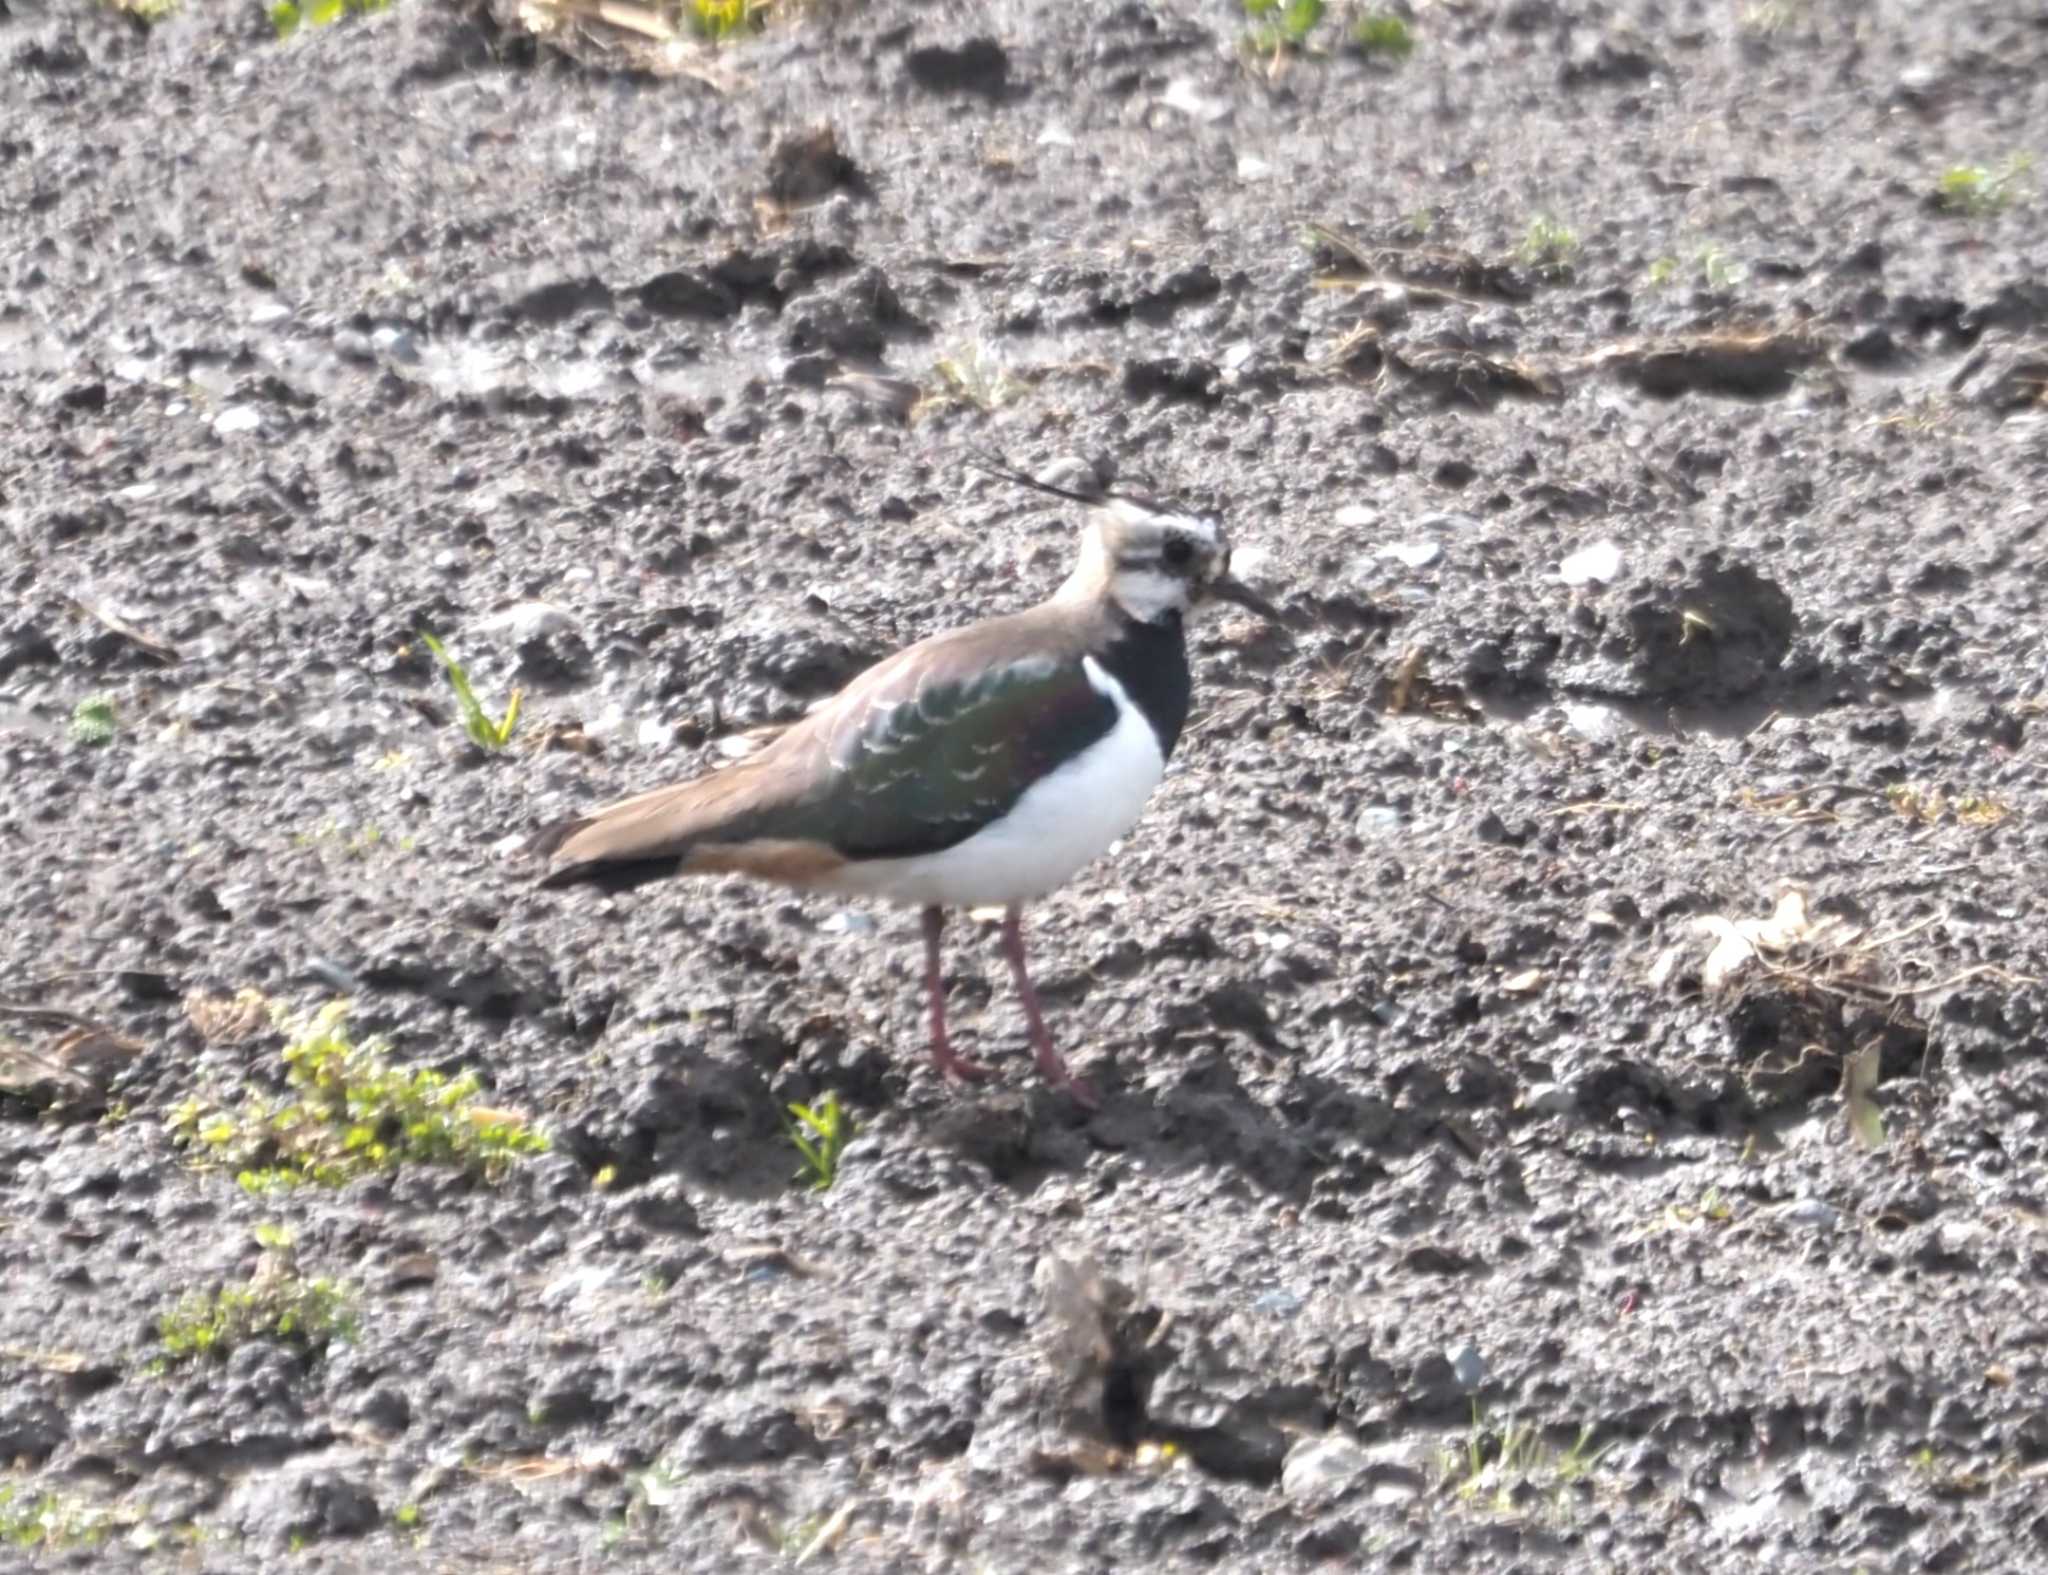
[[979, 768]]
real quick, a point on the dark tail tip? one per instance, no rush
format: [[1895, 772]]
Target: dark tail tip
[[612, 876], [543, 843]]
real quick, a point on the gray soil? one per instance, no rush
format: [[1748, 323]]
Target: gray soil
[[1431, 1145]]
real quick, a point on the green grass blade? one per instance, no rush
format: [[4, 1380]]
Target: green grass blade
[[476, 721]]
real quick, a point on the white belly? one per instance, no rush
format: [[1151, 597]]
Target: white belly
[[1064, 821]]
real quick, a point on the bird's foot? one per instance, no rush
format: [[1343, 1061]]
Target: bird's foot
[[1082, 1092], [1053, 1068], [956, 1068]]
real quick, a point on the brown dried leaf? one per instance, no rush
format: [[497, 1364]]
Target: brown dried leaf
[[1859, 1078], [142, 640], [222, 1020], [95, 1053]]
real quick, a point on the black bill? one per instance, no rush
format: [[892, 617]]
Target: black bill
[[1235, 590]]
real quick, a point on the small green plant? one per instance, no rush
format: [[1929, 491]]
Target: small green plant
[[820, 1134], [1580, 1461], [719, 20], [1762, 19], [1549, 245], [350, 1113], [47, 1521], [476, 721], [1976, 191], [288, 16], [1281, 24], [93, 721], [1718, 269], [1931, 806], [356, 842], [654, 1490], [149, 12], [1921, 417], [972, 375], [1497, 1466], [1383, 35], [277, 1304]]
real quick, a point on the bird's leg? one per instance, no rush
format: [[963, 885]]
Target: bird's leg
[[949, 1061], [1050, 1066]]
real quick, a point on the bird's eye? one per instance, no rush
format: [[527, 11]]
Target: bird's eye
[[1177, 551]]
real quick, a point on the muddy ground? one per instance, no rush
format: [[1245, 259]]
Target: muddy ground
[[1649, 460]]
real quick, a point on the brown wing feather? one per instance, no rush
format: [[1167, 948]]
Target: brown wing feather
[[739, 817], [672, 830]]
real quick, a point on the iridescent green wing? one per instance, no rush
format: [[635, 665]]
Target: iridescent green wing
[[928, 748]]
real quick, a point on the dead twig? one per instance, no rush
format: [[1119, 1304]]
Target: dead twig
[[145, 642]]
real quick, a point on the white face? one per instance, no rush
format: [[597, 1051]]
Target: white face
[[1158, 562]]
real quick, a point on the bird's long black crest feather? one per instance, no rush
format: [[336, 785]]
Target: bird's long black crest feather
[[995, 465]]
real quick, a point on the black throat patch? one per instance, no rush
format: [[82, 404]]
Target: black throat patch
[[1150, 660]]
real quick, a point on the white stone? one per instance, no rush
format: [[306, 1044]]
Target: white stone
[[528, 621], [1597, 564], [1318, 1467]]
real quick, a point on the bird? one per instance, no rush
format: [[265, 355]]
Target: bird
[[982, 767]]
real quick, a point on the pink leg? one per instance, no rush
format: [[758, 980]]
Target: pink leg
[[951, 1064], [1050, 1066]]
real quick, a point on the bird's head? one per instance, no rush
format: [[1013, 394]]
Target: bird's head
[[1156, 561], [1152, 560]]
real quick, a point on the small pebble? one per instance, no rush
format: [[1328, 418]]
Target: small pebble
[[528, 621], [1467, 1363], [1379, 820], [397, 343], [1600, 723], [1182, 94], [1594, 565], [1319, 1466], [332, 973], [586, 1284]]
